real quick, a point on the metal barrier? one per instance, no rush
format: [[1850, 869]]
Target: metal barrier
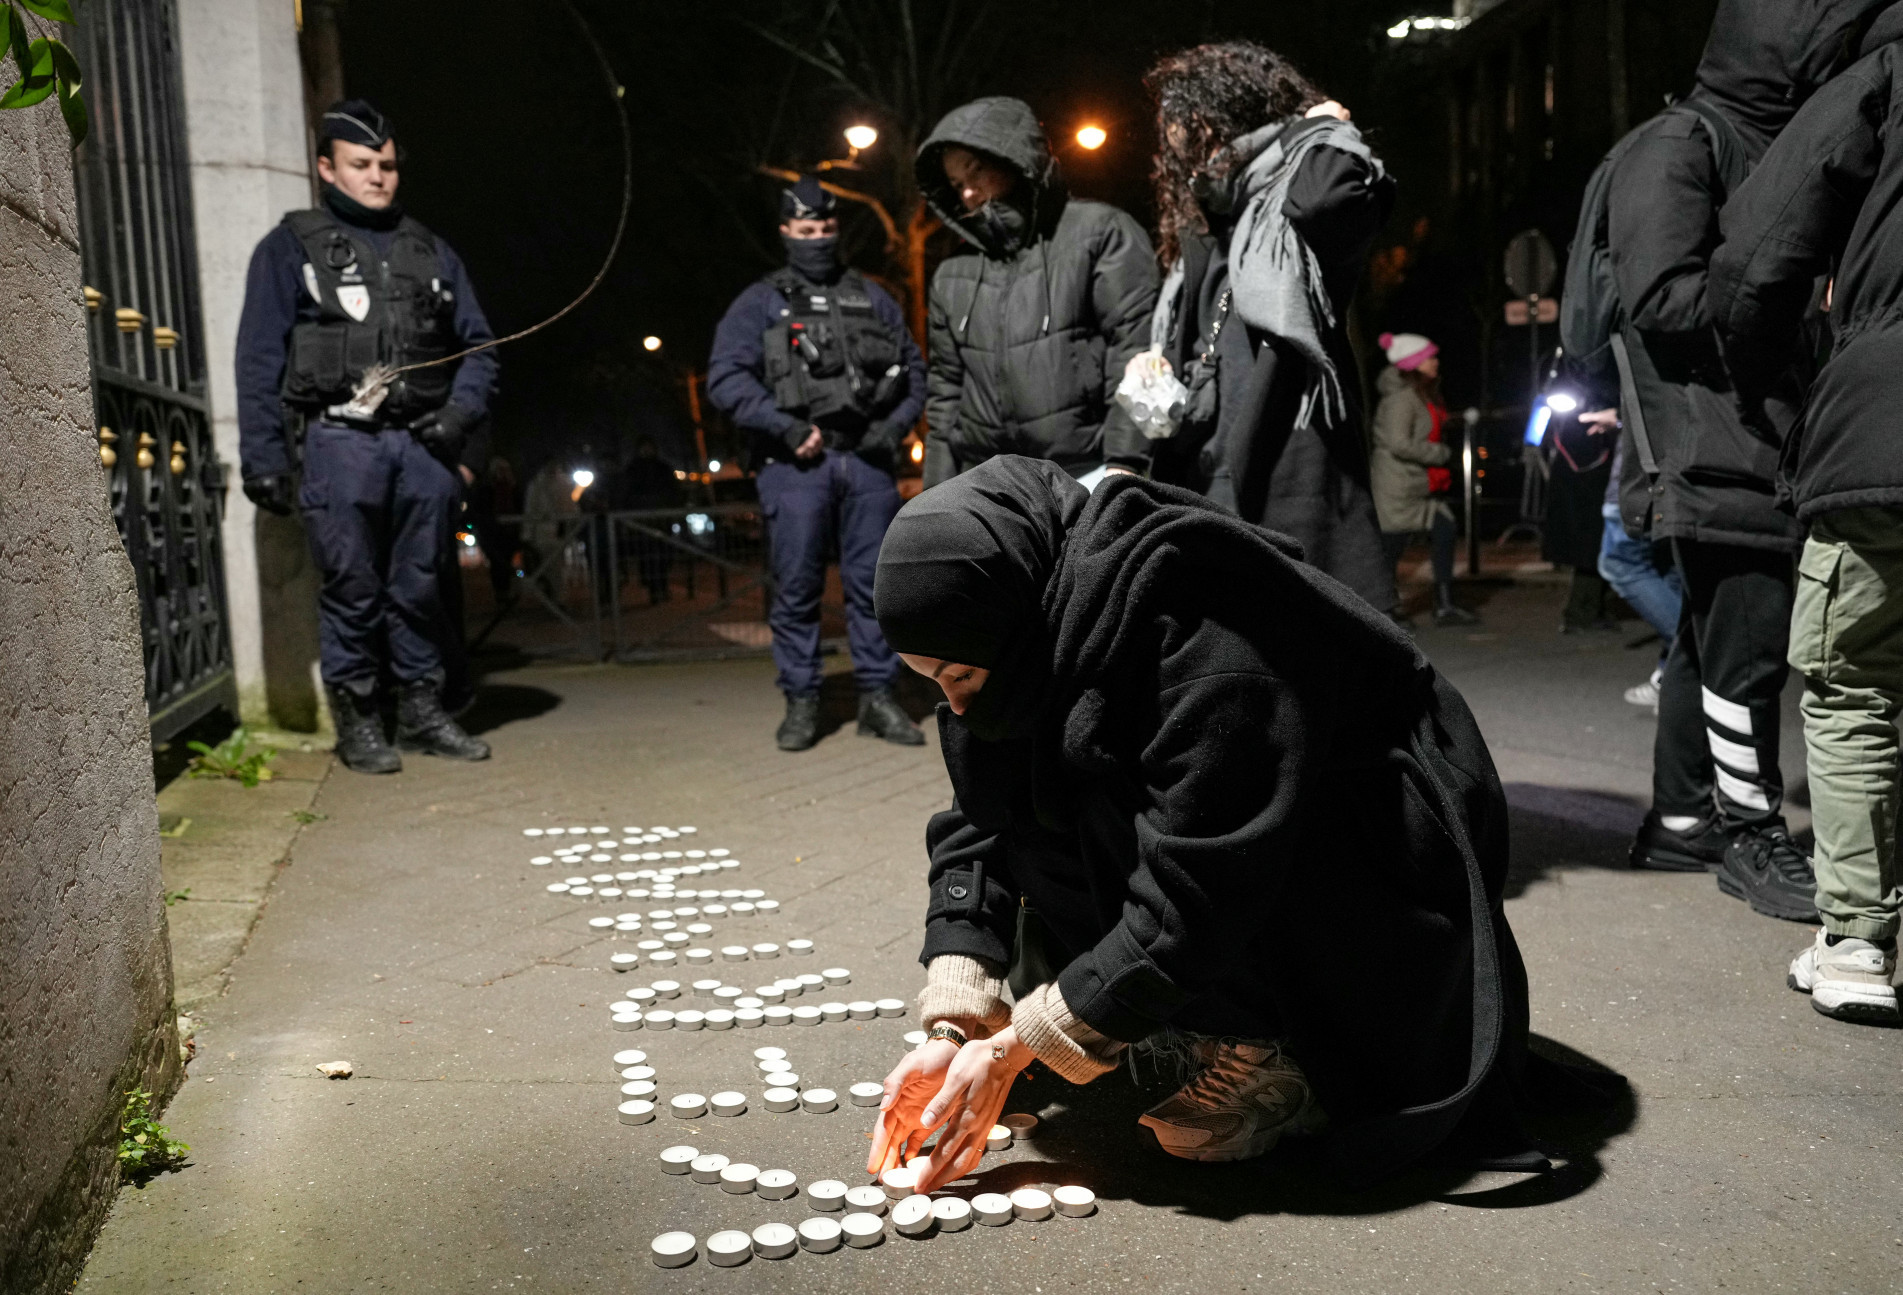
[[640, 585]]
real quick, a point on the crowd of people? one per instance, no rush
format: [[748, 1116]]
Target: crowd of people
[[1184, 716]]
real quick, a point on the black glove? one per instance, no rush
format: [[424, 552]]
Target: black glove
[[272, 493], [444, 432], [880, 445]]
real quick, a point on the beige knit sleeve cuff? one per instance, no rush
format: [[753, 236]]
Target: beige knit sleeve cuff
[[1061, 1040], [968, 992]]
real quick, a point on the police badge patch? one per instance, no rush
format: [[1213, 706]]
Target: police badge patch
[[355, 300]]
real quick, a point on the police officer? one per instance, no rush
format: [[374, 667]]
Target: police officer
[[331, 292], [817, 364]]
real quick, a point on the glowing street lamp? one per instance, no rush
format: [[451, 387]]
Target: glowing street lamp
[[1091, 137], [650, 343], [583, 478], [860, 138]]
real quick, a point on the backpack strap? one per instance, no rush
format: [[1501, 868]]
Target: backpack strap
[[1727, 146], [1633, 410]]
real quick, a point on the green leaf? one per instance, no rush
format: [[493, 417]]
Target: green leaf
[[17, 40], [56, 10], [73, 109], [65, 66], [24, 95]]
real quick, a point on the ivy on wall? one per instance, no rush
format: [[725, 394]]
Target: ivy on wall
[[46, 66]]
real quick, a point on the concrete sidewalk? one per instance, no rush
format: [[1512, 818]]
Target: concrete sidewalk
[[477, 1149]]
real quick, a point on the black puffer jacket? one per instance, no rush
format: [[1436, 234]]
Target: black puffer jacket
[[1717, 455], [1029, 342], [1825, 195]]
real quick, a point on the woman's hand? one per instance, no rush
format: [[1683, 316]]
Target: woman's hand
[[912, 1083], [968, 1104], [1152, 361], [1329, 108]]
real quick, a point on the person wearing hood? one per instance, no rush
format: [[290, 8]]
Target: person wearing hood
[[1160, 794], [1409, 474], [329, 292], [1717, 790], [1821, 202], [815, 361], [1268, 199], [1031, 327]]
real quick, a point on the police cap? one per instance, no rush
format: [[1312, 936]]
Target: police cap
[[356, 121], [807, 201]]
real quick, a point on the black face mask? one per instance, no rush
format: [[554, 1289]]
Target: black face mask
[[814, 259], [1002, 225], [352, 212]]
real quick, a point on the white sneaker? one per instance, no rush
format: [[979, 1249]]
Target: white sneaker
[[1850, 980], [1647, 693], [1237, 1108]]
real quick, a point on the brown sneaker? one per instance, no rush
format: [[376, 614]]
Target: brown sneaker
[[1238, 1108]]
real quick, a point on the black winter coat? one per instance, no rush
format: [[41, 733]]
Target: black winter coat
[[1827, 195], [1717, 452], [1027, 344], [1307, 482], [1239, 785]]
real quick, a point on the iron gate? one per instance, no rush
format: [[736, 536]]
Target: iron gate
[[148, 358]]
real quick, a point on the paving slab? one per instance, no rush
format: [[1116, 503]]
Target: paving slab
[[476, 1148]]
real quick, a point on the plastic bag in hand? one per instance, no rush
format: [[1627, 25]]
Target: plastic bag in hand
[[1151, 395]]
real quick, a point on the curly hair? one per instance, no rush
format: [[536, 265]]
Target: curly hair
[[1205, 98]]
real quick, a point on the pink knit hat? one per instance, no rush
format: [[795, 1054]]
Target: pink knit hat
[[1406, 350]]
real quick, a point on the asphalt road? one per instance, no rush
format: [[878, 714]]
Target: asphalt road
[[476, 1148]]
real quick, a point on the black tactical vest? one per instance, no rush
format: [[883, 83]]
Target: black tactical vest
[[370, 310], [829, 358]]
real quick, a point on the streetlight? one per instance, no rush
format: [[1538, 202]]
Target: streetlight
[[860, 138], [650, 343], [583, 478], [1091, 137], [713, 465]]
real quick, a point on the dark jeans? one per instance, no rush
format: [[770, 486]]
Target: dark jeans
[[1719, 705], [806, 504], [380, 512], [1440, 539]]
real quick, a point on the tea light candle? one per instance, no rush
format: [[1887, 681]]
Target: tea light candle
[[1000, 1139], [531, 831], [737, 1180], [733, 953], [807, 1016], [741, 908], [729, 1249], [863, 1231], [638, 1087], [809, 983], [992, 1209], [700, 957], [866, 1093], [766, 907], [912, 1216], [899, 1183], [826, 1194], [706, 1168], [557, 888], [781, 1100], [661, 1020], [676, 939], [869, 1199], [720, 1018], [637, 1072], [673, 1249], [1031, 1203], [730, 1103], [774, 1240], [799, 948], [764, 951], [789, 986], [675, 1160], [748, 1018], [916, 1038], [728, 996], [890, 1006], [581, 892], [649, 945], [688, 1106], [1021, 1125], [630, 1021], [820, 1236], [770, 995], [951, 1213], [1077, 1202], [623, 961], [665, 988], [630, 1057], [834, 1012], [641, 996], [636, 1111], [861, 1010], [602, 923], [837, 976], [817, 1101], [775, 1184], [705, 988], [778, 1015], [665, 959], [689, 1020], [781, 1079]]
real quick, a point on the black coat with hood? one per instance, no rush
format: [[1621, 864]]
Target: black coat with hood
[[1202, 796], [1825, 199], [1717, 452], [1030, 330]]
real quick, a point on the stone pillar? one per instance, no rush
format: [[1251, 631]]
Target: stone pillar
[[85, 967], [244, 124]]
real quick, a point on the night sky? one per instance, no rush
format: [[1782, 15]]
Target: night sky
[[513, 154]]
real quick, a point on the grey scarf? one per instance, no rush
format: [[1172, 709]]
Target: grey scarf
[[1274, 276]]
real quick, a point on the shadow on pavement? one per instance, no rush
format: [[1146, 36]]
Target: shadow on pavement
[[1090, 1135], [1558, 828], [497, 704], [839, 700]]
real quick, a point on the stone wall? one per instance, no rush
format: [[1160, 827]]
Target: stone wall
[[85, 968]]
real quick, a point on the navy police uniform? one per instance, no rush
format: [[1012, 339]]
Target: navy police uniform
[[815, 345]]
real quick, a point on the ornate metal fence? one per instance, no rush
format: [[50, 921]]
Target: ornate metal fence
[[163, 474]]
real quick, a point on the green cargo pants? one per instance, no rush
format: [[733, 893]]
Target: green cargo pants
[[1847, 640]]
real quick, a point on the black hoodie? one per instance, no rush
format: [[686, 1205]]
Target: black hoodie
[[1030, 334], [1824, 201], [1717, 459]]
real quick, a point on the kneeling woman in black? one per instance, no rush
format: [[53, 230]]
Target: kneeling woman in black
[[1232, 803]]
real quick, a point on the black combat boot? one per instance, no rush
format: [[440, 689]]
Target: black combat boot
[[799, 731], [1447, 611], [880, 716], [423, 725], [360, 743]]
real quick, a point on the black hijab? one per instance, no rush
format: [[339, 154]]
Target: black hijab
[[963, 576]]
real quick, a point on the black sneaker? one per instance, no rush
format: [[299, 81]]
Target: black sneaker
[[1660, 849], [799, 731], [881, 716], [1765, 869]]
